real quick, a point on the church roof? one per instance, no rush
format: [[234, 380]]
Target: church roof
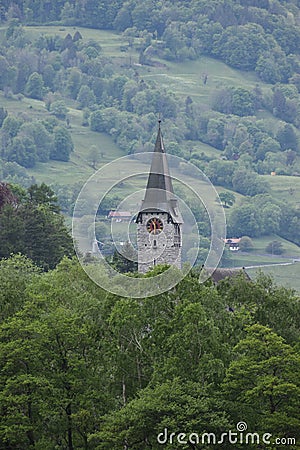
[[159, 194], [159, 176]]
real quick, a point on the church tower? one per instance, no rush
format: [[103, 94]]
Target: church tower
[[159, 222]]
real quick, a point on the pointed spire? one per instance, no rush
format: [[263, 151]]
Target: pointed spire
[[159, 194], [159, 177]]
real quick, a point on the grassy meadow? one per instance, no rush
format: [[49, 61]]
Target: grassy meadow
[[285, 188], [284, 269], [186, 78], [287, 276]]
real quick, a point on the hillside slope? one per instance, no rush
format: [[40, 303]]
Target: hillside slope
[[101, 92]]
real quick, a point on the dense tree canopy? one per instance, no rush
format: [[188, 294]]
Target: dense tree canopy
[[263, 216], [27, 142], [30, 224], [84, 369]]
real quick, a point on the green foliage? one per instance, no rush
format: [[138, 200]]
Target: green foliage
[[59, 109], [227, 198], [21, 151], [266, 146], [283, 106], [11, 126], [109, 202], [262, 382], [245, 36], [63, 144], [27, 142], [3, 115], [124, 102], [124, 261], [240, 46], [237, 101], [33, 227], [34, 86], [273, 67], [58, 363], [7, 73], [101, 231], [248, 183], [43, 195], [246, 243], [14, 173], [159, 408], [74, 82], [6, 195], [73, 357], [81, 368], [275, 248], [94, 156], [244, 221], [15, 273], [85, 97], [97, 121], [263, 216], [287, 138], [289, 223], [221, 172], [42, 139]]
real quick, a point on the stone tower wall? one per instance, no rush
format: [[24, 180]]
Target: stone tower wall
[[154, 249]]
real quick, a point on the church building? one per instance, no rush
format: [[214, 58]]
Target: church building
[[159, 222]]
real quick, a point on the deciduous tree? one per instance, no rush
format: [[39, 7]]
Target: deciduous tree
[[262, 383], [227, 198]]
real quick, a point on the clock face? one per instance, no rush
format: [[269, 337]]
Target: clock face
[[154, 226]]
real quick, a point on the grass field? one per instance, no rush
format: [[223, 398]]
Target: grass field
[[246, 260], [287, 276], [199, 147], [186, 78], [253, 259], [290, 250], [285, 188]]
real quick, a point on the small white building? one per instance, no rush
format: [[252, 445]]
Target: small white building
[[233, 244]]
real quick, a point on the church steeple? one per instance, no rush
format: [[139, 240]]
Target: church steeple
[[159, 222]]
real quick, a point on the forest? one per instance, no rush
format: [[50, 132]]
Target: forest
[[85, 369], [82, 368]]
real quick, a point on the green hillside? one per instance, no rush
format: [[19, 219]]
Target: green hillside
[[78, 168], [227, 91], [180, 79], [287, 276]]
